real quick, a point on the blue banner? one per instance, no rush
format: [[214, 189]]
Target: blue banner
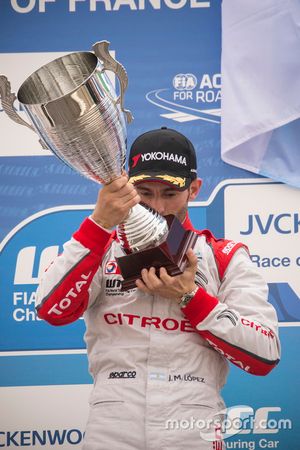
[[172, 52]]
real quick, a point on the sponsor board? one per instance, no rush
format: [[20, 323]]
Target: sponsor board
[[52, 416], [190, 98], [269, 224], [24, 254], [92, 6]]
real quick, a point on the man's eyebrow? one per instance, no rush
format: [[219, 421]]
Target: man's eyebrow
[[170, 190]]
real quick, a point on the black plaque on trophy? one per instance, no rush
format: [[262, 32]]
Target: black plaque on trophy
[[171, 254]]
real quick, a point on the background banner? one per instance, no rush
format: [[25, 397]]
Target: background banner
[[172, 53], [260, 74]]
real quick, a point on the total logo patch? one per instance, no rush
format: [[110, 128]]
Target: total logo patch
[[112, 268]]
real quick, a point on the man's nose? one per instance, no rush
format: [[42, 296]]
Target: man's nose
[[159, 205]]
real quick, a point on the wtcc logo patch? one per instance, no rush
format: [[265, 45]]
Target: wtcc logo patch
[[112, 268]]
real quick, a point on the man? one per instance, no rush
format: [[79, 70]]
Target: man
[[158, 353]]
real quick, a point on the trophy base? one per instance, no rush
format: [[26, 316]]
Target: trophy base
[[171, 254]]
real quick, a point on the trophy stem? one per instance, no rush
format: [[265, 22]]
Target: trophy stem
[[142, 228]]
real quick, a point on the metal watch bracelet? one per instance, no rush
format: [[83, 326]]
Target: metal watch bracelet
[[186, 298]]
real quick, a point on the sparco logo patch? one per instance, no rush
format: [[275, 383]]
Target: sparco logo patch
[[123, 374], [227, 249]]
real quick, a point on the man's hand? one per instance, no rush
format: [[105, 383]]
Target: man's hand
[[114, 202], [167, 286]]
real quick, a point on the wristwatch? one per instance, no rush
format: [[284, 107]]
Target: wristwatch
[[186, 298]]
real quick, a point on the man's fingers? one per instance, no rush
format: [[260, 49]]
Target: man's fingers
[[117, 184], [125, 174], [150, 279], [164, 276], [132, 198], [140, 285], [132, 202], [192, 258], [122, 204]]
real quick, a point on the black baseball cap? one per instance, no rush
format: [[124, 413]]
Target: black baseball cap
[[163, 155]]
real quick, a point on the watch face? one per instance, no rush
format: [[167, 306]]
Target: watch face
[[187, 297]]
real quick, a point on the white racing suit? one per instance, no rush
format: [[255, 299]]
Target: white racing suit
[[158, 369]]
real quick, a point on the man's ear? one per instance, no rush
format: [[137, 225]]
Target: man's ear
[[194, 188]]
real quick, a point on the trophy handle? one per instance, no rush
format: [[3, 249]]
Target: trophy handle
[[7, 100], [109, 63]]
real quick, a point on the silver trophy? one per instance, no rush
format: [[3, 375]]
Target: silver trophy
[[74, 109]]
